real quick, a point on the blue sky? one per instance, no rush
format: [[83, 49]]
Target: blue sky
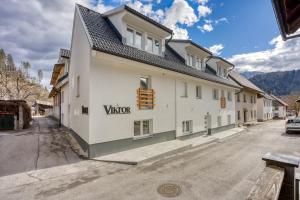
[[244, 32]]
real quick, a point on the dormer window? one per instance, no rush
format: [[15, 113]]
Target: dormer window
[[153, 45], [134, 38]]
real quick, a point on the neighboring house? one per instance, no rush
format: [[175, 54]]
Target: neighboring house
[[131, 86], [279, 108], [264, 107], [246, 99], [60, 89]]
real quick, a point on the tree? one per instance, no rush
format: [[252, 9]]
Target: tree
[[26, 66], [2, 60], [291, 101], [40, 75], [10, 64]]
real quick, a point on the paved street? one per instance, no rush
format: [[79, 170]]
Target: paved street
[[43, 145], [218, 171]]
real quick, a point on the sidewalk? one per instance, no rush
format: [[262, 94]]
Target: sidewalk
[[152, 152]]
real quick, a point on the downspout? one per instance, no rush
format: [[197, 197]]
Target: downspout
[[59, 108]]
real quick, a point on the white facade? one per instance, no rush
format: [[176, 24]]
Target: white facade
[[98, 79], [280, 112], [246, 107], [264, 109]]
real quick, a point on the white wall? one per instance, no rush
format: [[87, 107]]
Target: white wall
[[65, 105], [241, 106], [114, 81], [79, 66], [264, 110]]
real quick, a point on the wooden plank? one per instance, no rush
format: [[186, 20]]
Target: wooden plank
[[268, 185]]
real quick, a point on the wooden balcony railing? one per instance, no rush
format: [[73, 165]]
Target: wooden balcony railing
[[145, 98]]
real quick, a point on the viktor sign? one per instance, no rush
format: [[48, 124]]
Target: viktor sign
[[109, 109]]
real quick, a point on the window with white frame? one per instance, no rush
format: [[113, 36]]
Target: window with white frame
[[225, 73], [218, 70], [222, 93], [142, 128], [229, 96], [187, 126], [78, 86], [153, 45], [219, 121], [62, 97], [198, 92], [228, 119], [184, 90], [134, 38], [198, 63], [145, 83], [215, 94]]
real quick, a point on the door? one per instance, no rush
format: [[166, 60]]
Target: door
[[245, 116], [7, 122]]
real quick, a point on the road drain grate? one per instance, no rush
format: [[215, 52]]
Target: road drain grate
[[169, 190]]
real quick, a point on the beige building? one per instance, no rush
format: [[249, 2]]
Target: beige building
[[246, 99], [60, 89]]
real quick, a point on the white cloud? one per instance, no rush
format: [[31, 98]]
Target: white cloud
[[284, 55], [202, 2], [216, 49], [204, 11], [206, 28], [223, 19]]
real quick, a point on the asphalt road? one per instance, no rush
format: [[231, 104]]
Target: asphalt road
[[220, 171], [41, 146]]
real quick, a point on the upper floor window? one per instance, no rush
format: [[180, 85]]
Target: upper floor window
[[198, 92], [215, 94], [229, 96], [153, 45], [185, 90], [225, 73], [145, 83], [134, 38], [245, 100], [238, 97]]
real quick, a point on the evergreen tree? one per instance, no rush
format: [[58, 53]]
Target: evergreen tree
[[2, 59], [10, 64]]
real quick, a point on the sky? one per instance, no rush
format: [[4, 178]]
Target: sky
[[244, 32]]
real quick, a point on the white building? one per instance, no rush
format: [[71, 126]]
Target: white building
[[130, 85], [60, 89], [245, 99], [264, 107], [279, 108]]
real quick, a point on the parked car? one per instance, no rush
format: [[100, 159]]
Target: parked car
[[292, 124]]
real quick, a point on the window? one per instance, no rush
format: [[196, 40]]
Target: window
[[229, 119], [134, 38], [239, 115], [143, 127], [190, 60], [245, 100], [198, 92], [138, 40], [219, 121], [238, 97], [222, 93], [229, 96], [78, 87], [215, 94], [149, 44], [198, 63], [145, 83], [185, 90], [193, 61], [187, 126], [251, 113], [225, 73], [62, 96], [254, 99], [156, 47], [130, 35]]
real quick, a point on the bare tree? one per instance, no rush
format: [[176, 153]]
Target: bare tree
[[40, 75], [291, 101], [26, 66], [10, 64]]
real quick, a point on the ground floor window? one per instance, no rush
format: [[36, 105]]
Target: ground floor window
[[219, 121], [229, 119], [187, 126], [143, 127]]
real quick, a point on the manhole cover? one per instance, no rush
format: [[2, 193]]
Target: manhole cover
[[169, 190]]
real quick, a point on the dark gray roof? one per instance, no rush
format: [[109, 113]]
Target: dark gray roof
[[65, 53], [105, 38], [243, 81]]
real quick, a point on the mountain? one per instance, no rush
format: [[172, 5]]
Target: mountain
[[279, 83], [249, 75]]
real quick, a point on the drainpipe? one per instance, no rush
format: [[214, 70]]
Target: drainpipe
[[59, 108]]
